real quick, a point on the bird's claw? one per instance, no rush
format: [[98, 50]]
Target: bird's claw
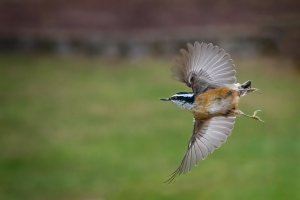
[[254, 116]]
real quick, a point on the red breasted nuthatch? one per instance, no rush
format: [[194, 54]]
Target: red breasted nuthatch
[[209, 71]]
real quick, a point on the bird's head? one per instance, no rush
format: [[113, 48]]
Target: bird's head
[[182, 99]]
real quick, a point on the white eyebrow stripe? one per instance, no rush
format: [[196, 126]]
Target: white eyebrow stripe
[[183, 95]]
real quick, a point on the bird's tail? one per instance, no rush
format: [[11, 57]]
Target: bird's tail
[[246, 88]]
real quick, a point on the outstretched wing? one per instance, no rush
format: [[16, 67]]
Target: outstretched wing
[[207, 136], [203, 66]]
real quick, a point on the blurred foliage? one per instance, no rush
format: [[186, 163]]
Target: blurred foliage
[[79, 128]]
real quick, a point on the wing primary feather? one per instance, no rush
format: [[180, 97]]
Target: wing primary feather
[[220, 55], [214, 141], [191, 54], [221, 135], [197, 46], [204, 52], [204, 147], [182, 168], [208, 57], [187, 162], [202, 155], [212, 60], [196, 154], [207, 144], [201, 61]]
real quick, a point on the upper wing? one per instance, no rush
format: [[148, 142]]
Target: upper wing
[[204, 66], [207, 136]]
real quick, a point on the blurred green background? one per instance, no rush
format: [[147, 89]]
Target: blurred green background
[[79, 128], [80, 116]]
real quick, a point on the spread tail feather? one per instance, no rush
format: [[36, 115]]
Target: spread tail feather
[[246, 88]]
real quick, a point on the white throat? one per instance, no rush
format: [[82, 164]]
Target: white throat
[[184, 105]]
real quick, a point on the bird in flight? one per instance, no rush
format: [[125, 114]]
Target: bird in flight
[[209, 71]]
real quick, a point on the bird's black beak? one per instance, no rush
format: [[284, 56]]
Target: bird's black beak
[[165, 99]]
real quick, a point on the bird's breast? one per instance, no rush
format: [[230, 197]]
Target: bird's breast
[[215, 102]]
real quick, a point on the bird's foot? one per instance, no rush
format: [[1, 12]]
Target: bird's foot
[[254, 116]]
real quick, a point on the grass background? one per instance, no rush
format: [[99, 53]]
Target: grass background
[[87, 128]]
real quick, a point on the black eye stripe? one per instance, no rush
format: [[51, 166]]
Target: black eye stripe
[[183, 93], [189, 99]]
